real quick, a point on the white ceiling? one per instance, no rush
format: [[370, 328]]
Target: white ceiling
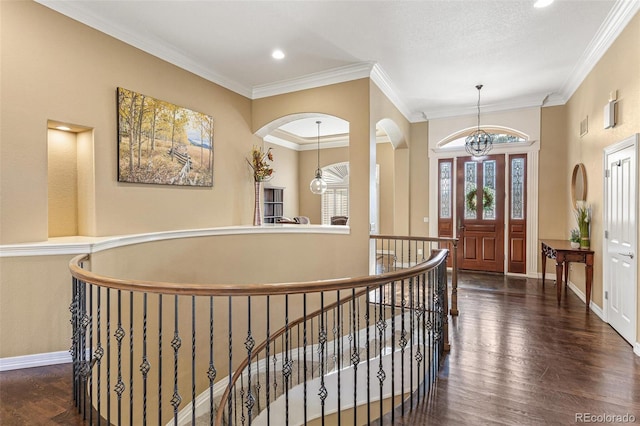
[[427, 56]]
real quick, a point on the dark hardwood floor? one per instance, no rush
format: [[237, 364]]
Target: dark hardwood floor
[[517, 358]]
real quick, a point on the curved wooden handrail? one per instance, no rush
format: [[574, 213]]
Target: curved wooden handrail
[[265, 289], [259, 348]]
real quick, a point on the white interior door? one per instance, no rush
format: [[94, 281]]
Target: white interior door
[[620, 251]]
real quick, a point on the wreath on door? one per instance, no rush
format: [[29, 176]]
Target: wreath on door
[[487, 199]]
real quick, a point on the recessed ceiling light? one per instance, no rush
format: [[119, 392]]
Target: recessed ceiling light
[[542, 3], [65, 128], [277, 54]]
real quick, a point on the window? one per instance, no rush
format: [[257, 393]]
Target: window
[[335, 201]]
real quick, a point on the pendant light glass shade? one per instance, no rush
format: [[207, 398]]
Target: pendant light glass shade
[[318, 185]]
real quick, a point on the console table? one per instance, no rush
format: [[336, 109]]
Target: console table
[[563, 253]]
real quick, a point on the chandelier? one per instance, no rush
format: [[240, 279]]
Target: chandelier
[[479, 142], [318, 185]]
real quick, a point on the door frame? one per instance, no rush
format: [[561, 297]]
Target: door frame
[[632, 141], [532, 151]]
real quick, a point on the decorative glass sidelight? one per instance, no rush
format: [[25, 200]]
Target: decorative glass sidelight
[[470, 189], [517, 188], [489, 190], [445, 190]]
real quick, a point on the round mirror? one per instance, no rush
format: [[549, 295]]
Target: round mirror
[[578, 184]]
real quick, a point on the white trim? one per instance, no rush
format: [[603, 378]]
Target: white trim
[[318, 79], [595, 308], [81, 245], [535, 101], [384, 83], [636, 348], [621, 13], [154, 47], [35, 360]]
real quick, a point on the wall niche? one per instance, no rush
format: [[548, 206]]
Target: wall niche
[[70, 179]]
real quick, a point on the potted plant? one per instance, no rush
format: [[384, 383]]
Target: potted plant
[[575, 238], [583, 217]]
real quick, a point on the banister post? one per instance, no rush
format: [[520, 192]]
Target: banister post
[[454, 280]]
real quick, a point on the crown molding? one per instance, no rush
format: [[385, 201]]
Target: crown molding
[[535, 101], [163, 51], [616, 21], [384, 83], [318, 79]]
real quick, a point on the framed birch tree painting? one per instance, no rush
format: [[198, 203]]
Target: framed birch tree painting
[[162, 143]]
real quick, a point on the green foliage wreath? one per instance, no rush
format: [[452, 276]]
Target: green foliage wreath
[[487, 199]]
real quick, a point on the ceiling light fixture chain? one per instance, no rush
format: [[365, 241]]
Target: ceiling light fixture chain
[[318, 185], [478, 143]]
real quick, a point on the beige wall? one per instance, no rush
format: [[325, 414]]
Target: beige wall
[[553, 185], [419, 180], [285, 164], [385, 159], [619, 69], [56, 68], [62, 187], [383, 109], [35, 293]]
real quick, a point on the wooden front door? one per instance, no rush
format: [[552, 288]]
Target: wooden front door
[[480, 213]]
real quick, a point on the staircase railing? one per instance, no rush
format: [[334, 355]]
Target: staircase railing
[[348, 349]]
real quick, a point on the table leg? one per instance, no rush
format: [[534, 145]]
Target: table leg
[[566, 273], [559, 265], [589, 278], [544, 265]]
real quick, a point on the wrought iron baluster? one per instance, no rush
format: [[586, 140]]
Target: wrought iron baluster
[[340, 349], [87, 365], [130, 357], [108, 338], [193, 360], [355, 356], [322, 340], [267, 362], [119, 335], [393, 348], [144, 366], [381, 325], [99, 352], [176, 342], [159, 360], [304, 353], [230, 323], [286, 366], [249, 344], [367, 318], [211, 372]]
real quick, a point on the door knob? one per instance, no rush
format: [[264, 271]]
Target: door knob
[[629, 255]]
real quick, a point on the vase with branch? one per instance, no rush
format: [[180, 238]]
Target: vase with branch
[[583, 217], [260, 162]]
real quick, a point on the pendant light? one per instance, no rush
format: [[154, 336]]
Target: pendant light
[[317, 185], [478, 143]]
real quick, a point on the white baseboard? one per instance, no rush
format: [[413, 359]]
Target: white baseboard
[[636, 348], [595, 308], [35, 360]]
